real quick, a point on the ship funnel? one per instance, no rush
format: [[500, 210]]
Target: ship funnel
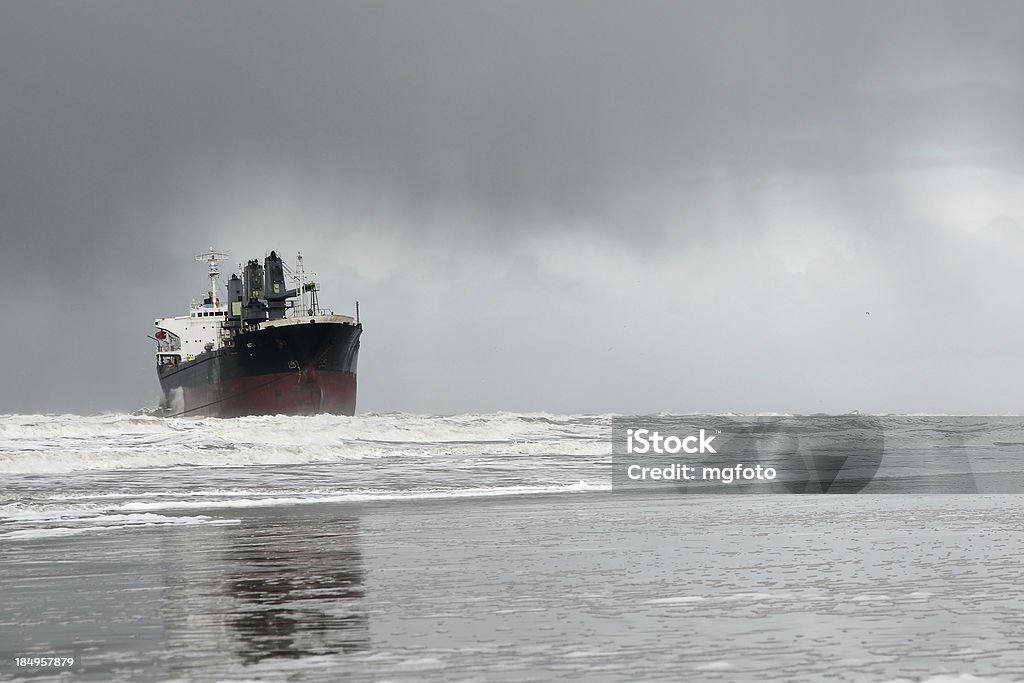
[[234, 298], [253, 275], [253, 308], [275, 292]]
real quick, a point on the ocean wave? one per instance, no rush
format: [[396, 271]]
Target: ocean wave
[[97, 523], [65, 443], [68, 514]]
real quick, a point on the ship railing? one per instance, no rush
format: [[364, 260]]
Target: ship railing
[[310, 312]]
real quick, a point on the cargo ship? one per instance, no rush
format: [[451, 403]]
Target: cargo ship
[[266, 349]]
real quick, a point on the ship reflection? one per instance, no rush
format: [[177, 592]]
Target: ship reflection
[[281, 584], [298, 594]]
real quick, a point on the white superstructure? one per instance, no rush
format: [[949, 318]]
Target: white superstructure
[[187, 336], [182, 338]]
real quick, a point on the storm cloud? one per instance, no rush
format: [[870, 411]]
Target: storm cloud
[[551, 206]]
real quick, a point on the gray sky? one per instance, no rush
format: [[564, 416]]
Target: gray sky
[[555, 206]]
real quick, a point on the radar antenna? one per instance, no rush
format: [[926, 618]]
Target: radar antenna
[[213, 257]]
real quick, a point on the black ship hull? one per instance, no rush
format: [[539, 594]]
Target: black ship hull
[[299, 368]]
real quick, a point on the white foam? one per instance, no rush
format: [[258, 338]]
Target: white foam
[[951, 678], [419, 664], [754, 597], [109, 522], [64, 443], [67, 507], [363, 496]]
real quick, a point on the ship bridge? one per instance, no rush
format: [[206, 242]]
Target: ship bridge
[[184, 337]]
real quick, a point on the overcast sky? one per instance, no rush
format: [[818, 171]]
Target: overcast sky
[[564, 206]]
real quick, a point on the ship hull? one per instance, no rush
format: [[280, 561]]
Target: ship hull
[[295, 369]]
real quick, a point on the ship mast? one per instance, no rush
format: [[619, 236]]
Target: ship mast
[[302, 278], [213, 257], [302, 281]]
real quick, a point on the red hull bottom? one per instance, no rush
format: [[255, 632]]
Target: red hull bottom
[[284, 393]]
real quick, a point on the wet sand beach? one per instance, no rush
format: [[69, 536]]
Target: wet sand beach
[[589, 585]]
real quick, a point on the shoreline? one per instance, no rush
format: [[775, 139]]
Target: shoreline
[[737, 588]]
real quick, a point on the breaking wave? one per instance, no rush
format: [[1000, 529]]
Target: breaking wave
[[68, 443]]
